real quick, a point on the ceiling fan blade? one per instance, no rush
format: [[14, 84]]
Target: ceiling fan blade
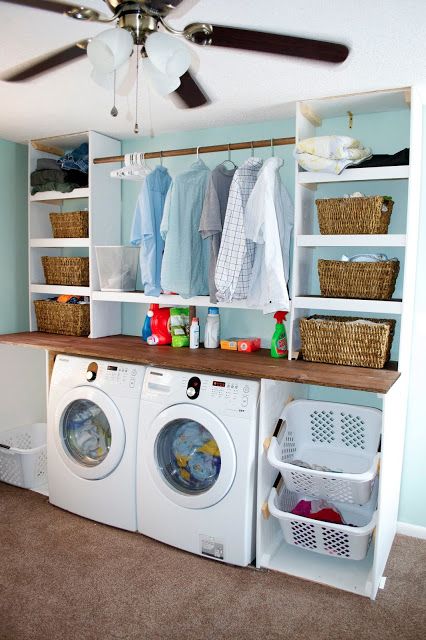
[[47, 63], [72, 10], [261, 41], [190, 92]]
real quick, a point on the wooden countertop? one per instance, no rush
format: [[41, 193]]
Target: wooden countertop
[[245, 365]]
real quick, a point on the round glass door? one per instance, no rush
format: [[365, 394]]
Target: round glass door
[[86, 432], [188, 456]]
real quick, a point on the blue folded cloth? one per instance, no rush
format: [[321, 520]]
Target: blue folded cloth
[[76, 159]]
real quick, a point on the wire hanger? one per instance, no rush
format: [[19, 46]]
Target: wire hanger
[[252, 149], [198, 154], [161, 158], [272, 148], [228, 159]]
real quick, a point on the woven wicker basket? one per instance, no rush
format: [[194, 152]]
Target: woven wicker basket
[[366, 280], [71, 224], [66, 319], [337, 216], [67, 271], [336, 340]]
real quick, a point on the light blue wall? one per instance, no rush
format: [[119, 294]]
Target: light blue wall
[[13, 238], [413, 502], [373, 130]]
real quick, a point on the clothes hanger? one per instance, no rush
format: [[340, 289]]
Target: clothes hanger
[[135, 167], [252, 149], [228, 159], [272, 148]]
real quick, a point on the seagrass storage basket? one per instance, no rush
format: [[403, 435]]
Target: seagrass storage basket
[[71, 224], [337, 216], [62, 318], [66, 271], [347, 340], [366, 280]]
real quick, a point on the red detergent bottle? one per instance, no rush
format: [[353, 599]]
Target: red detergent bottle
[[160, 325], [279, 348]]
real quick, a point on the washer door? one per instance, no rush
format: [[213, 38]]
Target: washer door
[[89, 433], [191, 456]]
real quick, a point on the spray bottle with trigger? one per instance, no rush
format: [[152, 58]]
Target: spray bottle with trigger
[[279, 348]]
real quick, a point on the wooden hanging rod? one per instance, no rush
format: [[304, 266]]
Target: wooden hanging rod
[[234, 146]]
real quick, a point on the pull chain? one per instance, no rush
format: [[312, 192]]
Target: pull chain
[[136, 129], [114, 110]]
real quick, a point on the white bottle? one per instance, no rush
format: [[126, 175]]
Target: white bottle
[[194, 334], [212, 330]]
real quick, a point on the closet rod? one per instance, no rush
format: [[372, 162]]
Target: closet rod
[[234, 146]]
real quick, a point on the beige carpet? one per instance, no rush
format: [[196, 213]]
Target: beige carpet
[[63, 577]]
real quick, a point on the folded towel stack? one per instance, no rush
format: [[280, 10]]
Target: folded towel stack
[[65, 174], [330, 154]]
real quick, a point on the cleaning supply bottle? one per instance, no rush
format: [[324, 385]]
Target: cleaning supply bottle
[[146, 329], [194, 334], [279, 347], [160, 325], [212, 329]]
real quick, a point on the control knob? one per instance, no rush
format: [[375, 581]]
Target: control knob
[[90, 376], [190, 392]]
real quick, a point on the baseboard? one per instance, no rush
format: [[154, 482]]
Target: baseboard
[[413, 530]]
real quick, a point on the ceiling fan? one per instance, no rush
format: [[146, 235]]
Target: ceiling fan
[[143, 18]]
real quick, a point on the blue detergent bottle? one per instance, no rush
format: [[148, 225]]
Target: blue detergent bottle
[[146, 329]]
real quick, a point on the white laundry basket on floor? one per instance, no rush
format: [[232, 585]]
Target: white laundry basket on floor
[[338, 540], [23, 456], [343, 438]]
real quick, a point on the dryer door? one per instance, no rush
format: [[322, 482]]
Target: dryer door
[[191, 456], [89, 432]]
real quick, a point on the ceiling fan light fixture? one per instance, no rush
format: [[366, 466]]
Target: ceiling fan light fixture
[[110, 49], [168, 54], [162, 83]]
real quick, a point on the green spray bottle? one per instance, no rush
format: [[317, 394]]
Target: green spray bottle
[[279, 347]]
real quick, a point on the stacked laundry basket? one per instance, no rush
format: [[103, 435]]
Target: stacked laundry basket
[[327, 455]]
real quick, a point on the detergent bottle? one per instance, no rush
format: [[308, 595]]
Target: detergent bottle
[[146, 329], [279, 347], [160, 325]]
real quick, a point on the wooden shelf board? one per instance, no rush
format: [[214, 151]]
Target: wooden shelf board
[[365, 240], [58, 289], [347, 304], [350, 175], [59, 242], [167, 299], [56, 197], [244, 365]]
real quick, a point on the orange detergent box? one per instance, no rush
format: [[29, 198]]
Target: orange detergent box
[[230, 343], [248, 344]]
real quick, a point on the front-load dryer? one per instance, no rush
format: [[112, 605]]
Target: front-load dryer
[[196, 466], [93, 413]]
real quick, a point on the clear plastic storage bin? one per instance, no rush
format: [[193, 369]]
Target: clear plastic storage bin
[[23, 456], [117, 267], [341, 541], [342, 438]]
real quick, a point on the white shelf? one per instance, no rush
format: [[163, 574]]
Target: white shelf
[[56, 197], [141, 298], [59, 242], [349, 575], [365, 240], [347, 304], [58, 289], [349, 175]]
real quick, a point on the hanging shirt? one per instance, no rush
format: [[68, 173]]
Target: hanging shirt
[[213, 216], [268, 223], [186, 254], [236, 254], [146, 228]]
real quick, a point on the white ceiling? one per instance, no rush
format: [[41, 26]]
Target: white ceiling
[[386, 38]]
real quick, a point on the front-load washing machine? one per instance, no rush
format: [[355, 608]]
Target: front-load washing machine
[[196, 465], [93, 413]]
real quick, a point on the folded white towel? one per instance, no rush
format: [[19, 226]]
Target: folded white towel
[[330, 154]]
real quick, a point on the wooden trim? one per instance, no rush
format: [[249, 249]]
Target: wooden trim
[[40, 146], [310, 115], [234, 146], [255, 365]]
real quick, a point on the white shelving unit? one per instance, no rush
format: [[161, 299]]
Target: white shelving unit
[[366, 576], [102, 198], [165, 299]]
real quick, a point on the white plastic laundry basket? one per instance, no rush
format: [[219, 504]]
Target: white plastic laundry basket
[[117, 267], [343, 438], [341, 541], [23, 457]]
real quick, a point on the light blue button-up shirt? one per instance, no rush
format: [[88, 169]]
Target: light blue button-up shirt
[[146, 228], [186, 255]]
